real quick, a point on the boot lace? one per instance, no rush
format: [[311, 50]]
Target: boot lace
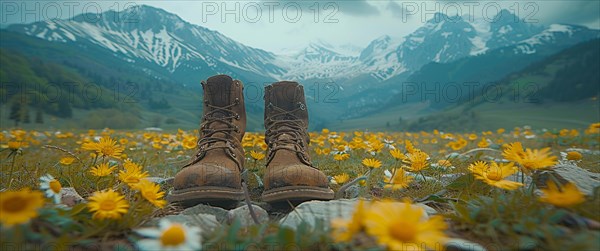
[[285, 122], [207, 139]]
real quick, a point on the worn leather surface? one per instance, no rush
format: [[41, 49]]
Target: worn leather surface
[[220, 162], [286, 121]]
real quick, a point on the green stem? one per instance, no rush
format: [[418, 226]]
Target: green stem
[[95, 159], [522, 176], [394, 170], [12, 168], [423, 175], [342, 189], [97, 229], [556, 182]]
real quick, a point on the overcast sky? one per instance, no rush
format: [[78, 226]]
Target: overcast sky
[[283, 26]]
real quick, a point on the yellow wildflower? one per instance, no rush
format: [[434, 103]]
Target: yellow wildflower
[[371, 163], [107, 205], [565, 196], [401, 226], [18, 207], [399, 180], [494, 174]]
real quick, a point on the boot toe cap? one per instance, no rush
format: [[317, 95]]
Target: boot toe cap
[[295, 175], [200, 175]]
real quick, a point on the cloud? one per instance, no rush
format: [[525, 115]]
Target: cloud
[[349, 7], [357, 7], [572, 12], [544, 12], [395, 9]]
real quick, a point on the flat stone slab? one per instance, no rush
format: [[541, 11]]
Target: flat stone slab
[[243, 215], [219, 213], [70, 197], [311, 212], [585, 180], [455, 244]]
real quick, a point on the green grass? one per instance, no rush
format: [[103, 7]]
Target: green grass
[[504, 114], [473, 210]]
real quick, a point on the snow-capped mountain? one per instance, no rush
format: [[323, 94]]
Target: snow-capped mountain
[[555, 35], [507, 29], [158, 37], [445, 39], [380, 58], [441, 39], [164, 40], [320, 61]]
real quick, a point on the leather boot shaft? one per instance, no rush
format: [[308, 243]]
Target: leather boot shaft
[[286, 120], [290, 175], [214, 173]]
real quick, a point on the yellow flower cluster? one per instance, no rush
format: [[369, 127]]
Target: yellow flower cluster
[[529, 159], [394, 225]]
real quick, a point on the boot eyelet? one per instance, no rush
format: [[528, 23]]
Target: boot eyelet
[[237, 116], [302, 107], [237, 101]]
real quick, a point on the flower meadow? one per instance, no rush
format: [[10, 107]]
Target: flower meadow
[[501, 189]]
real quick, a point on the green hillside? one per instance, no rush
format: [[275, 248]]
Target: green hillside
[[62, 86], [559, 91]]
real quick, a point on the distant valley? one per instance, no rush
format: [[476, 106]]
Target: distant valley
[[147, 75]]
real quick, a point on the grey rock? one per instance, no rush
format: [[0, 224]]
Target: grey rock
[[243, 215], [70, 197], [312, 212], [418, 177], [206, 222], [219, 213], [352, 192], [585, 180], [455, 244], [156, 180], [446, 179], [429, 210], [161, 181]]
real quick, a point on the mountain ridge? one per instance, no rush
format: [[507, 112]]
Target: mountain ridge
[[181, 47], [347, 86]]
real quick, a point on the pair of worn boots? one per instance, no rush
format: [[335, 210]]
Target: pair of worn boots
[[214, 176]]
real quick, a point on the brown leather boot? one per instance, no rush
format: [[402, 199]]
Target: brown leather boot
[[214, 175], [290, 175]]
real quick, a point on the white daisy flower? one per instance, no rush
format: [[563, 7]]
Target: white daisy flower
[[346, 150], [170, 236], [389, 144], [51, 187], [387, 173]]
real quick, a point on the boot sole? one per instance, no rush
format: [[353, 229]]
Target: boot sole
[[217, 196], [297, 194]]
